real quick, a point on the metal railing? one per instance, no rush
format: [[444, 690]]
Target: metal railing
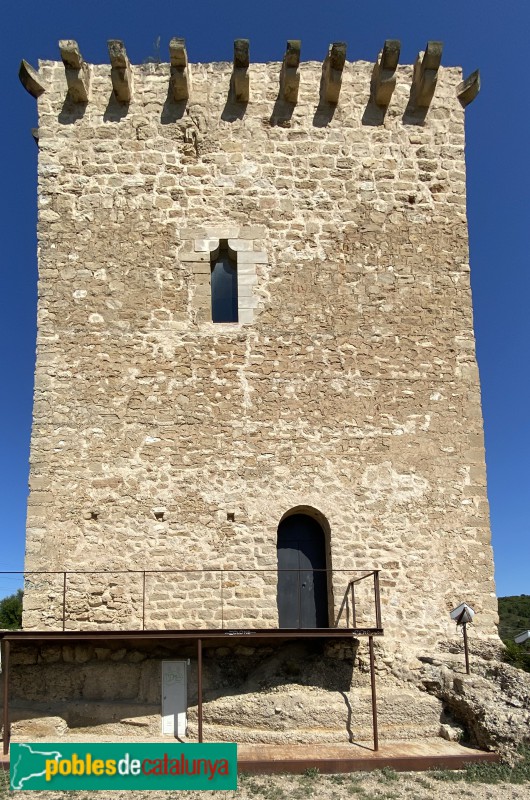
[[202, 598]]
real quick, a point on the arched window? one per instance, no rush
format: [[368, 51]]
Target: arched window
[[224, 288]]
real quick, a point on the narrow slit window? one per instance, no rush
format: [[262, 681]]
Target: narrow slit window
[[224, 289]]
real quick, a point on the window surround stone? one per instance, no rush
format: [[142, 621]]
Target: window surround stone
[[244, 247]]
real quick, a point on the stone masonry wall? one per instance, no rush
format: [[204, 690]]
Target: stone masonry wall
[[163, 441]]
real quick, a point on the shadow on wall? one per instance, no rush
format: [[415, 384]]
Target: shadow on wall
[[107, 686], [315, 664], [71, 112], [115, 110]]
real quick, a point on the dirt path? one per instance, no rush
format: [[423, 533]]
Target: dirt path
[[385, 785]]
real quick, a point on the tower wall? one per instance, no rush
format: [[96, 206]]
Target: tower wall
[[348, 389]]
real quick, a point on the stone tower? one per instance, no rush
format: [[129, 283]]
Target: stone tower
[[254, 305]]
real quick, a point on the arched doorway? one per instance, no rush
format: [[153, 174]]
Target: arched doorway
[[302, 580]]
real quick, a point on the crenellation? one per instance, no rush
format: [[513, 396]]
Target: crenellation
[[180, 75], [76, 71], [384, 74], [121, 73], [30, 79], [469, 88], [290, 73], [240, 80], [425, 75], [332, 70]]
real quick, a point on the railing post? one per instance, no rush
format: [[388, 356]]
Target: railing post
[[64, 600], [353, 613], [222, 603], [377, 596], [143, 600]]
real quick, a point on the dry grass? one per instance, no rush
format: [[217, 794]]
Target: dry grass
[[489, 782]]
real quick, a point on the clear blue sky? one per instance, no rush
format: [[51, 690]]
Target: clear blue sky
[[476, 33]]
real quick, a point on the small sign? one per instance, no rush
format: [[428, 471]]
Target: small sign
[[462, 614]]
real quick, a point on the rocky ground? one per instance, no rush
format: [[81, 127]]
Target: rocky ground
[[385, 785], [491, 706], [480, 782]]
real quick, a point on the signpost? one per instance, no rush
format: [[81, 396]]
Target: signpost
[[463, 614]]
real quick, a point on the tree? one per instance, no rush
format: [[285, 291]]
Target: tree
[[11, 611]]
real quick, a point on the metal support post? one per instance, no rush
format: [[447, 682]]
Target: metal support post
[[5, 682], [64, 600], [374, 694], [199, 688]]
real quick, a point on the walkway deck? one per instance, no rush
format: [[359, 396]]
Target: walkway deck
[[403, 756]]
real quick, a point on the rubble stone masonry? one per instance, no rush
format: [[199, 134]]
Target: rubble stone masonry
[[348, 388]]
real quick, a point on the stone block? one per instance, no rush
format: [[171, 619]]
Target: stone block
[[245, 315], [252, 257], [195, 257], [240, 244], [206, 245]]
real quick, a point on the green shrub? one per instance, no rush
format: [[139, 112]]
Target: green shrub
[[11, 611]]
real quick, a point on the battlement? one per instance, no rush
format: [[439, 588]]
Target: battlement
[[285, 83]]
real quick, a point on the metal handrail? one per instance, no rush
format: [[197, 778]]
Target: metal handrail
[[221, 571]]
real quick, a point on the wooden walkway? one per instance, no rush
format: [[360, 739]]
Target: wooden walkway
[[403, 756]]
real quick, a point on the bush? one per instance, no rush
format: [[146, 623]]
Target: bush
[[517, 656], [11, 611]]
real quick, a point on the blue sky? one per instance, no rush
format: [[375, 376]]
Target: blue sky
[[485, 34]]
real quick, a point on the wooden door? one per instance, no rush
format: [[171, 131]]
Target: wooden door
[[302, 581]]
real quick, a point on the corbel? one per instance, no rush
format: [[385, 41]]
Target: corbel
[[240, 82], [120, 73], [76, 71], [426, 74], [384, 74], [469, 88], [332, 71], [290, 74], [179, 71], [30, 79]]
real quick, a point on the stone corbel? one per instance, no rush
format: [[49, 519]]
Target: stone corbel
[[332, 72], [469, 88], [240, 82], [30, 79], [426, 74], [180, 75], [76, 70], [290, 74], [120, 73], [384, 74]]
